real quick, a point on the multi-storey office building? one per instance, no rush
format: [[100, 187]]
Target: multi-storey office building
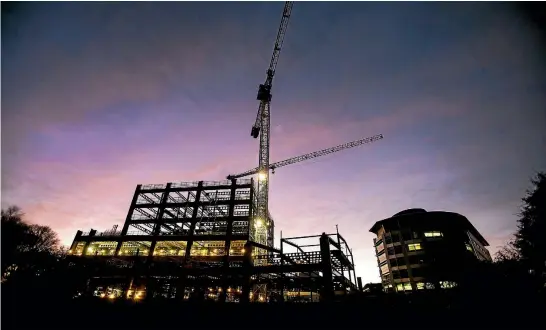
[[201, 240], [418, 250]]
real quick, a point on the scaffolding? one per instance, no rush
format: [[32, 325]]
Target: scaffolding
[[198, 241]]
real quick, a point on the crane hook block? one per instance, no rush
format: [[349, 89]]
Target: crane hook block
[[255, 132], [264, 93]]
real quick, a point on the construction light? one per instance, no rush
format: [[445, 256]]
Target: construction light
[[259, 222], [69, 251], [262, 175], [102, 295], [112, 296]]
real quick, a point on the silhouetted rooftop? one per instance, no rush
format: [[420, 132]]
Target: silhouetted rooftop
[[410, 211], [407, 215]]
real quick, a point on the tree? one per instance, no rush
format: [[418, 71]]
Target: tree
[[529, 243], [531, 234], [14, 232], [25, 247], [41, 239], [507, 253]]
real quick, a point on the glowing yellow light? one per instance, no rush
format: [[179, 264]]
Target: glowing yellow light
[[230, 251], [228, 289], [220, 290], [261, 298], [126, 251], [262, 175], [102, 295], [90, 250], [173, 251], [259, 222], [112, 296], [243, 250], [69, 251]]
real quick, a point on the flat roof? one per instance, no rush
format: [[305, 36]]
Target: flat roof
[[409, 213]]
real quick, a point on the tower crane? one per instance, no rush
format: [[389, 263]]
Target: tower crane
[[310, 155], [261, 128]]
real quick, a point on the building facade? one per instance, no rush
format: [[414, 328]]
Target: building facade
[[419, 250]]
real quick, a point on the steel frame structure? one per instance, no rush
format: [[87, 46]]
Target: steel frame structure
[[195, 220], [193, 240]]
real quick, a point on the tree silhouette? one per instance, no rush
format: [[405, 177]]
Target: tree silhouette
[[13, 233], [25, 247], [528, 245], [531, 234], [508, 253]]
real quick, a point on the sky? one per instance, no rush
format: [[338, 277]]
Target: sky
[[100, 97]]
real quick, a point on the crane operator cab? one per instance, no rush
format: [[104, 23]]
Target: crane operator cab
[[264, 93], [255, 132]]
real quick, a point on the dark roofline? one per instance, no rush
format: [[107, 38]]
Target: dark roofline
[[470, 226]]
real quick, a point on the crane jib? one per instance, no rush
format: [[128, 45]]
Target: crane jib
[[311, 155]]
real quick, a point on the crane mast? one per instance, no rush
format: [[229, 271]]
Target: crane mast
[[261, 128], [310, 155]]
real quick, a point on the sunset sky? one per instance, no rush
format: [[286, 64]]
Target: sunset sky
[[99, 97]]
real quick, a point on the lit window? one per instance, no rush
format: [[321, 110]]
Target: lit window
[[414, 247], [403, 287], [433, 234], [468, 247], [447, 284], [420, 285]]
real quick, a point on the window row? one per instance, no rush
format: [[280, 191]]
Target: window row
[[399, 248], [394, 237], [419, 285], [412, 260]]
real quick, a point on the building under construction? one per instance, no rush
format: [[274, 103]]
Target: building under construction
[[201, 241]]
